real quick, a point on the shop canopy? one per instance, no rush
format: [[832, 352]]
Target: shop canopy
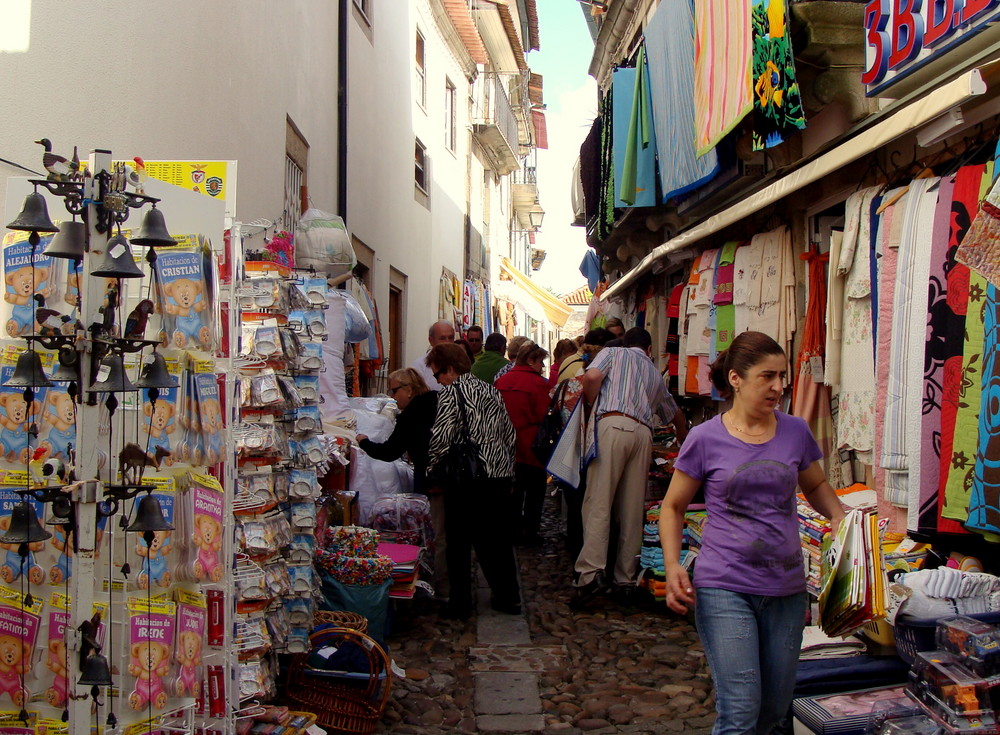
[[895, 125], [552, 308]]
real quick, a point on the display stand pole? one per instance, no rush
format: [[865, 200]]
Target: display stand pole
[[87, 496]]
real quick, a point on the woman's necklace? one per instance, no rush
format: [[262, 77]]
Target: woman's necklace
[[744, 431]]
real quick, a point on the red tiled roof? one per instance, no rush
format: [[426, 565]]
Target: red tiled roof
[[461, 18], [509, 28], [541, 131], [579, 297]]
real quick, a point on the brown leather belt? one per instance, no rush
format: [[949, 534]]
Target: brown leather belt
[[606, 414]]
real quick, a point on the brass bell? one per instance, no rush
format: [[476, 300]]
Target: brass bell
[[149, 516], [28, 373], [117, 260], [154, 373], [24, 526], [95, 671], [34, 216], [69, 242], [153, 230], [68, 362], [111, 377]]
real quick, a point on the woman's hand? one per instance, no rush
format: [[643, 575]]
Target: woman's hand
[[680, 593]]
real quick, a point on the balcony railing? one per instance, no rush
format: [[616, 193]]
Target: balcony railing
[[526, 175], [492, 112]]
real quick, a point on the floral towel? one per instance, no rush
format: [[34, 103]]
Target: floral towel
[[777, 103], [984, 500], [723, 93]]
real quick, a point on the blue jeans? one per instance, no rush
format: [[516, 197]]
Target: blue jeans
[[752, 644]]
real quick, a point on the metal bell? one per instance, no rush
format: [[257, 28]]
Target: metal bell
[[28, 373], [95, 671], [69, 242], [153, 230], [111, 377], [117, 260], [154, 373], [24, 526], [149, 516], [34, 216], [68, 362]]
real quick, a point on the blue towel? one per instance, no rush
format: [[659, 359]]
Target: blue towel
[[623, 96], [670, 55]]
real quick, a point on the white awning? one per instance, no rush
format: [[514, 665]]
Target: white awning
[[532, 297], [894, 126]]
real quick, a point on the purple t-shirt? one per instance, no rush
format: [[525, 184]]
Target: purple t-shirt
[[751, 540]]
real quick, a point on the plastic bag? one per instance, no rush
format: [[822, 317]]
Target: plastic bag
[[323, 243], [357, 328]]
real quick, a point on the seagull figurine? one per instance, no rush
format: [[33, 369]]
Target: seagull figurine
[[135, 324], [58, 167]]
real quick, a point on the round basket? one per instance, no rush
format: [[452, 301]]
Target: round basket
[[342, 619], [342, 702]]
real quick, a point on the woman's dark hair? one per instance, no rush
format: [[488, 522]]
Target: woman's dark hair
[[468, 349], [748, 349], [449, 355], [530, 351], [599, 337], [563, 349]]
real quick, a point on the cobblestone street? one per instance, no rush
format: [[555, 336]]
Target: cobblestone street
[[608, 669]]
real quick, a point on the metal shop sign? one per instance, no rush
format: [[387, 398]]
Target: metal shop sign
[[904, 36]]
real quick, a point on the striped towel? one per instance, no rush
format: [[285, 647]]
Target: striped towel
[[723, 94]]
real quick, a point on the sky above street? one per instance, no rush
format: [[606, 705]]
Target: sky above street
[[571, 106]]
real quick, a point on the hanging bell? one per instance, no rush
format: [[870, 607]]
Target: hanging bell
[[154, 373], [153, 230], [24, 526], [149, 517], [111, 377], [67, 371], [34, 216], [95, 671], [28, 373], [69, 242], [117, 261]]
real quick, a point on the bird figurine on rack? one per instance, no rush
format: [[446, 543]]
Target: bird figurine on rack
[[78, 171], [138, 177], [50, 322], [135, 324], [36, 466], [58, 166]]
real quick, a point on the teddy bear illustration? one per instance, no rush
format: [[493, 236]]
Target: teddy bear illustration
[[188, 298], [14, 422], [62, 570], [208, 538], [12, 668], [211, 428], [72, 294], [10, 570], [60, 414], [189, 657], [56, 663], [160, 425], [22, 284], [154, 566], [149, 664]]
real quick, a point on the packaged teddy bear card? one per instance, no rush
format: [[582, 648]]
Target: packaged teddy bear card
[[184, 300], [151, 641]]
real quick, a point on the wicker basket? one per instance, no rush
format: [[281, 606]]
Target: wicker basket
[[341, 703], [342, 619]]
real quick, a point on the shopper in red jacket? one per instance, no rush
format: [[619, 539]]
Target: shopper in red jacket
[[526, 394]]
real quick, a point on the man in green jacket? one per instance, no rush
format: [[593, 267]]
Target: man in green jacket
[[491, 359]]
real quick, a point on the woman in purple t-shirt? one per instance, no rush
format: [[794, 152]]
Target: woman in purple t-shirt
[[750, 581]]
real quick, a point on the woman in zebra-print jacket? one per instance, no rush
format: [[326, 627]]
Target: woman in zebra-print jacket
[[478, 516]]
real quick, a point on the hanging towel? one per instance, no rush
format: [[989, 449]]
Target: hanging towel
[[590, 176], [722, 91], [746, 282], [632, 162], [909, 325], [705, 290], [670, 55], [984, 500], [672, 346], [890, 226], [725, 312], [768, 317], [930, 422], [980, 250], [965, 201], [777, 103]]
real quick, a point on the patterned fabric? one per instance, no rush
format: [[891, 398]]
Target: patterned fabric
[[984, 500], [673, 339], [855, 428], [777, 103], [964, 203], [746, 282], [930, 424], [488, 425], [606, 210], [670, 52], [722, 91], [632, 386], [980, 250]]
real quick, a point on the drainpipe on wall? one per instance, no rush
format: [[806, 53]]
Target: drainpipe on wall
[[342, 109]]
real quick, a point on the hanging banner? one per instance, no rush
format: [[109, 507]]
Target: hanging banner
[[216, 179]]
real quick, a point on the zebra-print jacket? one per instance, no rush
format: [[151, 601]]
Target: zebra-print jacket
[[488, 425]]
